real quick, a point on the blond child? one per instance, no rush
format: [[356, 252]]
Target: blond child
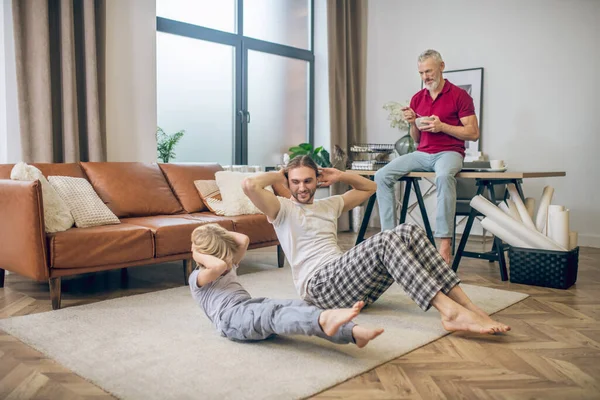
[[238, 316]]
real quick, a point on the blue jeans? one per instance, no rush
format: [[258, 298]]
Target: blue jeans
[[445, 165]]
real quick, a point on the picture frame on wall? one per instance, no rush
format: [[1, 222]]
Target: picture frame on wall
[[471, 80]]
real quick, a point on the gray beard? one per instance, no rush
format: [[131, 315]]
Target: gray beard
[[433, 86]]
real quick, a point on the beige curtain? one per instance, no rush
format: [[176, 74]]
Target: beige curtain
[[58, 49], [347, 47]]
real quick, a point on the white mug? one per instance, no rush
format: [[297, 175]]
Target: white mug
[[496, 164]]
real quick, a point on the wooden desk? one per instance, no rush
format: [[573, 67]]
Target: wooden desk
[[483, 180]]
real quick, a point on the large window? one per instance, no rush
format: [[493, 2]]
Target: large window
[[237, 76]]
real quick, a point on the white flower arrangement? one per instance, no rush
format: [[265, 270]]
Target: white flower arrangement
[[396, 116], [405, 144]]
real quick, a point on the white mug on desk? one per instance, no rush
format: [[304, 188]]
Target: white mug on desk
[[496, 164]]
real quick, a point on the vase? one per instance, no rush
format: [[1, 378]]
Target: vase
[[405, 145]]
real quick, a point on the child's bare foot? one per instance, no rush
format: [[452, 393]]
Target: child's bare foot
[[461, 319], [362, 336], [332, 320]]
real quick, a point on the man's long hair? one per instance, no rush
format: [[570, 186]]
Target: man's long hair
[[301, 161]]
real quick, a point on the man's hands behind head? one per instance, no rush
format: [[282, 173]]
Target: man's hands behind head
[[328, 176]]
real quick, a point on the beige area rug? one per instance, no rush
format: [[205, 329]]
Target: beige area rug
[[161, 346]]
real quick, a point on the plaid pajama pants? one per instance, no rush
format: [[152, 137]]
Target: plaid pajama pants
[[403, 255]]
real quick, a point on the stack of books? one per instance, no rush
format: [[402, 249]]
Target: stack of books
[[368, 165]]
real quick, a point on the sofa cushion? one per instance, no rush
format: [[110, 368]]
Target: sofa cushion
[[57, 215], [256, 227], [209, 217], [48, 169], [86, 207], [173, 233], [100, 245], [235, 201], [211, 196], [181, 177], [132, 189]]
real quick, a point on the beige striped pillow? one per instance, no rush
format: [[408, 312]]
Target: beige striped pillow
[[210, 195], [85, 205]]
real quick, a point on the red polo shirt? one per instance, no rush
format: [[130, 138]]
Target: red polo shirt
[[452, 104]]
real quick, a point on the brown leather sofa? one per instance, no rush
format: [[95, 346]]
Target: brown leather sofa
[[157, 204]]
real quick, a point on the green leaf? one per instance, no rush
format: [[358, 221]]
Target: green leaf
[[321, 161], [165, 144], [306, 146], [296, 149]]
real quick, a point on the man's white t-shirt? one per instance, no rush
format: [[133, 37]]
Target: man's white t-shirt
[[308, 235]]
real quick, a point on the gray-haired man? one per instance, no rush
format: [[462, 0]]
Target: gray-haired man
[[441, 146]]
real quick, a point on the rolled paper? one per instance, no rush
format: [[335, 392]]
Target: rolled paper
[[552, 208], [503, 234], [529, 236], [502, 205], [512, 208], [523, 213], [558, 227], [530, 206], [572, 240], [541, 219]]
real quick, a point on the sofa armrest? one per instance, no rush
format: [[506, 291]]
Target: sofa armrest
[[22, 234]]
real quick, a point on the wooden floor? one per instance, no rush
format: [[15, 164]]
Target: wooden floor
[[553, 351]]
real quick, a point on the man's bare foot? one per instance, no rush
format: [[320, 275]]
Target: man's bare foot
[[445, 247], [362, 336], [472, 307], [460, 319], [332, 320]]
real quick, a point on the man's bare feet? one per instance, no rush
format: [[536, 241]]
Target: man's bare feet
[[362, 336], [332, 320], [445, 247], [472, 307], [460, 297], [459, 318]]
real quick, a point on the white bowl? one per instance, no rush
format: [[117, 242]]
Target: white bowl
[[423, 121]]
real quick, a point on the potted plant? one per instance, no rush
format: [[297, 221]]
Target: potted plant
[[165, 144], [319, 155]]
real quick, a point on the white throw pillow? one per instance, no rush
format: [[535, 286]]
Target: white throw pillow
[[210, 195], [235, 202], [57, 216], [87, 207]]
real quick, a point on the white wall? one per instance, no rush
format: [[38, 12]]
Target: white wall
[[3, 148], [540, 100], [10, 142], [131, 80]]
